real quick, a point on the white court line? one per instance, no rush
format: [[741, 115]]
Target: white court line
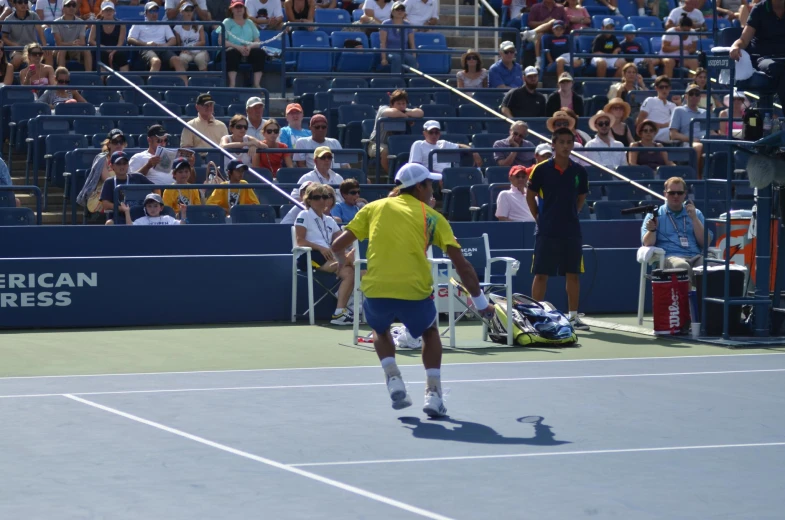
[[324, 480], [341, 385], [545, 454], [471, 363]]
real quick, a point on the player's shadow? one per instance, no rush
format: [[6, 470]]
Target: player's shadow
[[466, 431]]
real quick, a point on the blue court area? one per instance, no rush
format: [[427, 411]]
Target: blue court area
[[670, 437]]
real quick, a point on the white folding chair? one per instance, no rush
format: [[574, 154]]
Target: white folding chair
[[297, 252], [657, 257]]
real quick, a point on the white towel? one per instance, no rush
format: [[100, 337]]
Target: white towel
[[646, 252], [744, 67]]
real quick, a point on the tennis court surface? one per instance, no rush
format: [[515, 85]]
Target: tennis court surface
[[284, 422]]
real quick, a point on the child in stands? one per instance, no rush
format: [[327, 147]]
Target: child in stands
[[153, 206], [175, 198]]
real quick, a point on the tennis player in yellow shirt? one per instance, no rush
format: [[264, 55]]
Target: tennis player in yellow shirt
[[398, 284]]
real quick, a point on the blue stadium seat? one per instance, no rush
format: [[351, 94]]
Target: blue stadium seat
[[17, 217], [98, 96], [624, 191], [464, 127], [114, 81], [343, 82], [75, 109], [353, 173], [486, 141], [206, 214], [431, 39], [153, 110], [375, 99], [636, 172], [398, 145], [598, 174], [130, 12], [229, 97], [497, 174], [251, 214], [611, 210], [348, 61], [646, 22], [491, 97], [493, 194], [331, 16], [250, 178], [457, 204], [7, 199], [55, 148], [89, 79], [685, 172], [655, 44], [434, 111], [584, 213], [205, 81], [20, 114], [120, 109], [182, 96], [480, 201], [372, 192], [291, 175], [350, 118], [312, 61], [433, 63], [388, 82], [38, 129]]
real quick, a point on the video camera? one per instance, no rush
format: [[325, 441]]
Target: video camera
[[649, 208]]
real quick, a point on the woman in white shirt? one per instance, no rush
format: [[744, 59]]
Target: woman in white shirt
[[315, 228], [376, 11], [191, 36], [48, 10], [237, 139], [472, 75]]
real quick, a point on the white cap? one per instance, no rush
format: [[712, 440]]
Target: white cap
[[107, 5], [542, 149], [530, 70], [506, 45], [431, 124], [609, 21], [413, 173], [186, 4], [150, 5], [253, 101]]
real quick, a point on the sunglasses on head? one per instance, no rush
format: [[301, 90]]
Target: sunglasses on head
[[241, 127], [320, 127], [602, 124], [272, 131], [320, 197], [679, 193], [354, 192]]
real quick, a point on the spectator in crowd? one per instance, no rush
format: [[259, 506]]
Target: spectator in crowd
[[472, 75], [557, 50], [564, 97], [254, 109], [37, 72], [315, 228], [266, 14], [294, 128], [612, 5], [6, 69], [272, 161], [153, 206], [322, 172], [577, 16], [676, 42], [422, 12], [239, 139], [731, 10], [23, 35], [653, 159], [146, 162], [511, 204], [739, 104], [217, 8], [301, 11], [71, 35], [506, 73], [317, 138], [541, 19], [110, 35], [690, 8], [229, 198], [53, 97], [90, 195], [653, 5], [762, 38], [420, 150], [120, 166], [630, 45], [581, 137], [605, 46], [677, 228], [631, 81], [5, 180], [190, 35], [561, 185], [701, 79], [659, 109], [174, 10], [399, 101], [89, 9], [620, 112], [155, 36], [682, 118], [49, 10], [516, 10], [242, 44], [601, 122], [344, 212], [326, 4], [525, 101], [519, 130], [205, 122], [393, 38], [177, 198], [376, 12], [291, 216]]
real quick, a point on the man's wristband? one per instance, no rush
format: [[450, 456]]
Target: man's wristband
[[480, 302]]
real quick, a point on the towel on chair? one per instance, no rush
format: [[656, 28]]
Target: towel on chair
[[744, 67], [646, 252]]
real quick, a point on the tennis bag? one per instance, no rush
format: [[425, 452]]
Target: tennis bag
[[533, 322]]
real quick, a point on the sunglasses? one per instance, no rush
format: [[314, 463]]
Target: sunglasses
[[188, 10], [320, 127], [161, 139], [121, 163], [320, 197], [561, 124], [241, 127], [663, 85], [121, 140], [516, 134], [273, 131], [511, 51], [648, 130], [678, 193], [37, 54], [326, 157], [694, 94], [471, 58], [21, 2], [354, 192], [602, 124], [152, 10], [63, 81], [434, 132]]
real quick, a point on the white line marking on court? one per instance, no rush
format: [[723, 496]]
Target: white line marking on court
[[545, 454], [324, 480], [471, 363], [447, 381]]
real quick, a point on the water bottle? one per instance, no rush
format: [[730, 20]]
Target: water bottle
[[776, 125], [767, 124]]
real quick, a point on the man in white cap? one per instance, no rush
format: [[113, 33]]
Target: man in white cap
[[506, 73], [71, 35], [605, 45], [431, 132], [398, 283], [525, 101], [157, 37], [421, 12], [601, 122], [175, 7], [254, 110]]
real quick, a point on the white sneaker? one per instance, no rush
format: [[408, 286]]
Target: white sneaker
[[345, 318], [538, 62], [529, 36], [397, 389], [434, 406], [578, 324]]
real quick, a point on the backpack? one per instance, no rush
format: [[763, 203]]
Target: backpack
[[533, 322]]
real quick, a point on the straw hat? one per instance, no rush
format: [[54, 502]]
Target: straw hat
[[646, 122], [559, 115], [618, 102], [599, 115]]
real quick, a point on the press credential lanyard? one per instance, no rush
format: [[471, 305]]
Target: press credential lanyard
[[324, 232], [682, 239]]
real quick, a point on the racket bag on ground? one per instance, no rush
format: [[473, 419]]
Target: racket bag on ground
[[533, 322]]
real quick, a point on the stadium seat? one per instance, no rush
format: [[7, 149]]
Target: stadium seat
[[327, 283], [646, 22], [206, 214], [353, 173], [457, 206], [636, 173], [21, 113], [304, 90], [251, 214], [7, 199], [611, 210], [486, 141], [228, 97], [206, 81], [624, 191], [596, 21], [397, 146], [75, 109], [350, 118], [250, 178], [433, 63], [153, 110], [598, 174], [431, 39], [434, 111], [387, 82], [131, 13], [312, 61], [269, 195], [98, 96], [375, 99], [348, 61], [92, 126], [55, 148], [165, 81], [17, 217], [372, 192], [480, 201], [490, 97], [685, 172], [584, 213], [330, 16], [38, 129], [120, 109], [291, 175]]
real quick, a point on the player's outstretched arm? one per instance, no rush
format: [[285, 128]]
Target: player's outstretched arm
[[468, 277]]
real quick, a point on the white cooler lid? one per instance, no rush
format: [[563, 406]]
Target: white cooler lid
[[733, 267]]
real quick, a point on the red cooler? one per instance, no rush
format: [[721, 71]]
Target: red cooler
[[670, 290]]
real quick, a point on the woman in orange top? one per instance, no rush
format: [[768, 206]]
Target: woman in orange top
[[90, 9], [272, 161]]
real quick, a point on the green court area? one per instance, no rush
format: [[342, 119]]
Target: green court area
[[198, 348]]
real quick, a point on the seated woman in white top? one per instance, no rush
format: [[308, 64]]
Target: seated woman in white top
[[472, 75], [315, 228], [189, 35], [376, 11], [237, 140]]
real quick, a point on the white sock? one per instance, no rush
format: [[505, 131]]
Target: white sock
[[573, 314], [338, 311], [390, 367], [641, 11], [433, 378]]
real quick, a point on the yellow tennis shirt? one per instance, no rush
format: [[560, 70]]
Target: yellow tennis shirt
[[399, 231]]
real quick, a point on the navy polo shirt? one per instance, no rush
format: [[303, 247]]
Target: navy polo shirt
[[498, 74], [558, 192], [769, 31]]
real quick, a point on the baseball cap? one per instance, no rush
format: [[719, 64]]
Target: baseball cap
[[253, 101], [629, 28], [107, 5], [156, 131], [530, 70], [317, 118], [320, 151], [186, 4], [692, 87], [431, 124], [118, 156], [293, 107], [506, 45], [153, 197], [150, 5], [543, 148], [179, 163], [565, 76], [608, 21], [68, 2], [515, 170], [398, 5], [235, 3], [304, 186], [413, 173], [115, 132], [558, 23], [235, 165], [203, 99]]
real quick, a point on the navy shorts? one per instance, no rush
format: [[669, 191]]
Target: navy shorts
[[557, 256], [417, 315], [317, 260]]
